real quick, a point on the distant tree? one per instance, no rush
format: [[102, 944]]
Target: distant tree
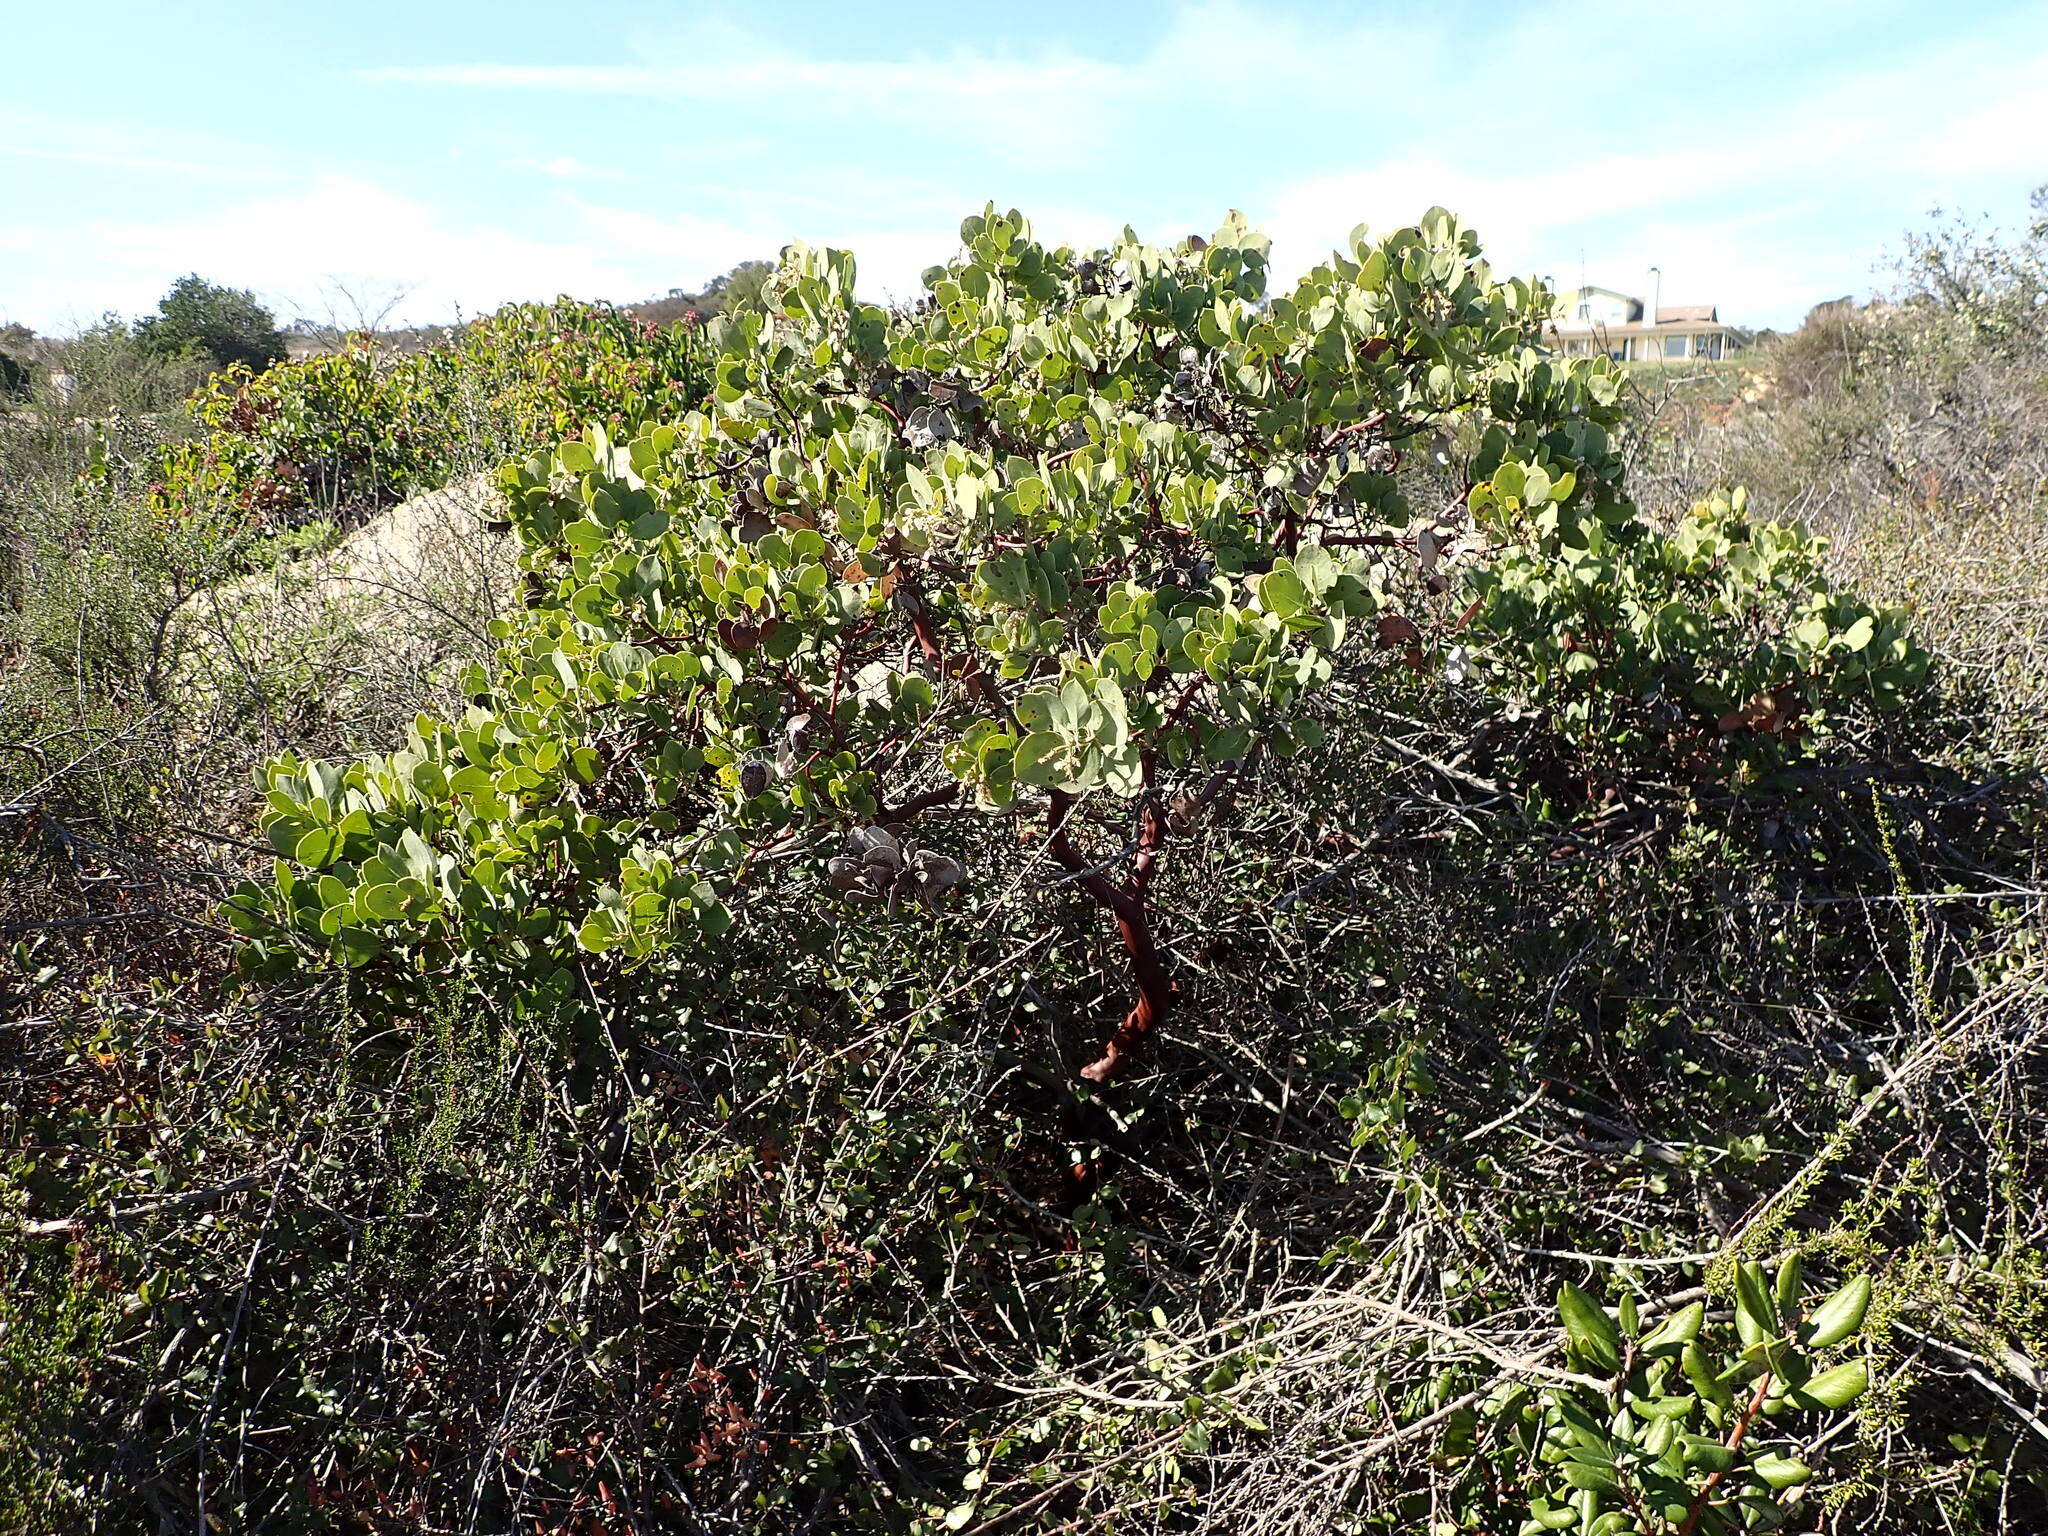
[[17, 348], [733, 292], [226, 325]]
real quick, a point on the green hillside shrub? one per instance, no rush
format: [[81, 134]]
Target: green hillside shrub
[[211, 325], [112, 375], [1672, 1429], [338, 435], [226, 327], [1079, 528], [1719, 641]]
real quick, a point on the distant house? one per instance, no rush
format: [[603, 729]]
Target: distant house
[[1604, 320]]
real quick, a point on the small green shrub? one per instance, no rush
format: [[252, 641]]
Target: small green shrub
[[1083, 524], [1720, 639], [53, 1327], [112, 375], [342, 434], [800, 1227], [228, 327], [1681, 1428]]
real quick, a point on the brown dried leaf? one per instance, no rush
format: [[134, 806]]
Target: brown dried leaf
[[1397, 630]]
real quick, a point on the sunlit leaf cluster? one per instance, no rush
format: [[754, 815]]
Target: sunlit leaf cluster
[[341, 433], [1682, 1427], [1077, 523]]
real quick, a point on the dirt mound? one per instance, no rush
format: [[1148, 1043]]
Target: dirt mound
[[386, 607]]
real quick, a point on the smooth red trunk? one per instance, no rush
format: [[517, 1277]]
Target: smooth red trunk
[[1126, 903]]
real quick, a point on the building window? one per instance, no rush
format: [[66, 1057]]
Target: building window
[[1674, 346]]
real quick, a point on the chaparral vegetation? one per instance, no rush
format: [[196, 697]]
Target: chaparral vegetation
[[1128, 898]]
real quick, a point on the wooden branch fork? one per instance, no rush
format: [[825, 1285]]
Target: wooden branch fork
[[1125, 902]]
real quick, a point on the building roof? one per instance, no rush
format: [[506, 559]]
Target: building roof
[[1678, 314]]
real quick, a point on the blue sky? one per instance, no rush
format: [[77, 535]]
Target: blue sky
[[467, 152]]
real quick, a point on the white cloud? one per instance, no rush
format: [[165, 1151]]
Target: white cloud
[[1721, 216], [2007, 136], [311, 251], [133, 162], [1221, 52], [963, 77], [1019, 104], [569, 168], [1228, 103], [293, 249], [1444, 93], [963, 94]]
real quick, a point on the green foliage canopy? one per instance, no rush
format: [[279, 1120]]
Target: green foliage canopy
[[228, 325], [1672, 1429], [343, 433], [1720, 629], [1080, 525]]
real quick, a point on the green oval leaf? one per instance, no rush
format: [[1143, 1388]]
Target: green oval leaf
[[1839, 1316], [1681, 1327], [1591, 1331], [1837, 1388]]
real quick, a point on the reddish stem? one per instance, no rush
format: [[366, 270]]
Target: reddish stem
[[1126, 904], [1698, 1506], [968, 670], [1372, 423], [931, 799]]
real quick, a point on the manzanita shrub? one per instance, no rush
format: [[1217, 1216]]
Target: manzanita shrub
[[1684, 1427], [1720, 632], [341, 434], [1068, 544]]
